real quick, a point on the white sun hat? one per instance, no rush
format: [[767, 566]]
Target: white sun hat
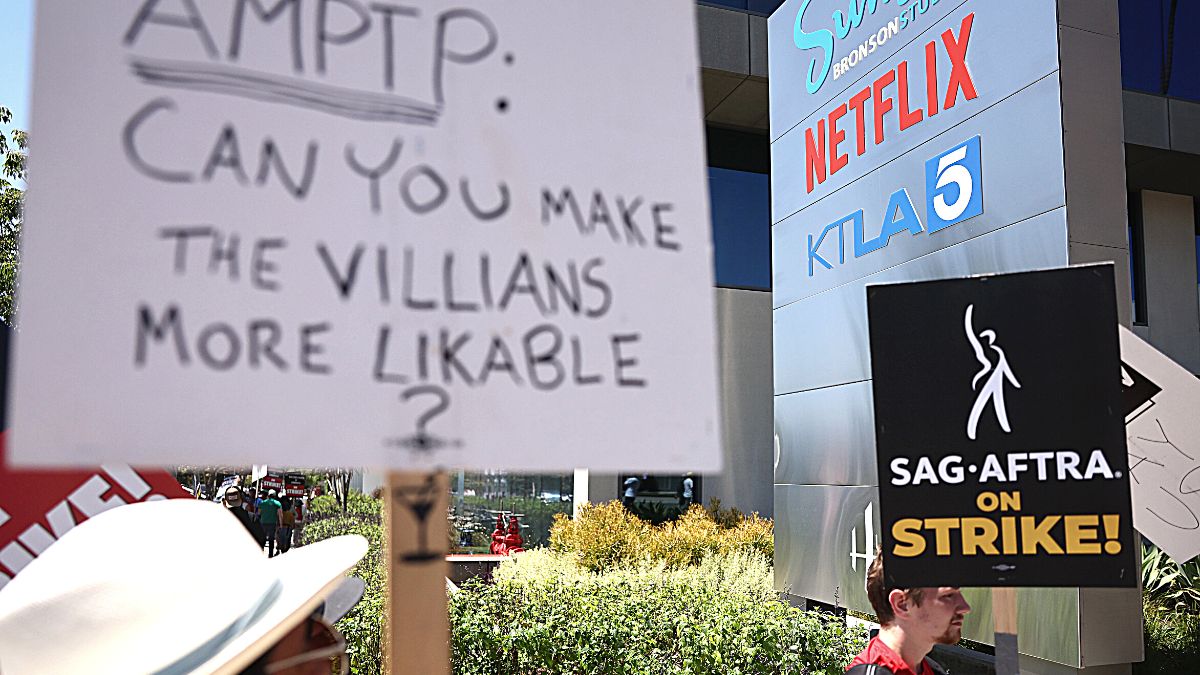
[[165, 588]]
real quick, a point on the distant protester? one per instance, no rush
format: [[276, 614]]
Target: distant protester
[[252, 500], [632, 485], [268, 516], [912, 621], [686, 491], [301, 506], [236, 506], [287, 521], [110, 598]]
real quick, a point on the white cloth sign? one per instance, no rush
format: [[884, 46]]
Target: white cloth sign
[[1163, 433], [225, 485], [352, 233]]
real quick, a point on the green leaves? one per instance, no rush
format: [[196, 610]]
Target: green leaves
[[1168, 583], [544, 614], [12, 168], [1171, 606], [605, 536], [363, 625], [685, 614]]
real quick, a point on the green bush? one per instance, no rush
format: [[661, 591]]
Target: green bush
[[1171, 608], [1168, 583], [656, 513], [1172, 641], [363, 626], [675, 613], [357, 503], [545, 615], [606, 536]]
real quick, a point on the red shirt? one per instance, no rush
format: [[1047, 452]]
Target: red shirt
[[880, 654]]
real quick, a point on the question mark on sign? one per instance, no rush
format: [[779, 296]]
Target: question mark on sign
[[422, 441]]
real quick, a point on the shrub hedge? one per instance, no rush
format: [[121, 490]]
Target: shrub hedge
[[545, 615], [363, 625], [696, 598], [357, 503], [1172, 641], [607, 536], [1171, 608]]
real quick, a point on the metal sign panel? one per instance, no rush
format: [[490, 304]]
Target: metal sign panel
[[870, 171], [946, 70], [954, 187], [820, 320], [999, 431], [812, 43]]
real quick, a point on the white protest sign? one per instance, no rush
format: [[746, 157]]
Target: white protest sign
[[316, 232], [1163, 433], [225, 485]]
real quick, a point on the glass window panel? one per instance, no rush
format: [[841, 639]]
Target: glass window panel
[[741, 222]]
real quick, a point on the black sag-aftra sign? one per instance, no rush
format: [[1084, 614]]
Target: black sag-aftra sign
[[999, 427]]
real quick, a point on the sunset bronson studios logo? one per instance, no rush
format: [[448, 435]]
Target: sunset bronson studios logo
[[841, 26], [996, 373]]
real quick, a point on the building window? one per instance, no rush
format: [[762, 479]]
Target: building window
[[739, 189], [741, 227], [1137, 259], [1158, 53]]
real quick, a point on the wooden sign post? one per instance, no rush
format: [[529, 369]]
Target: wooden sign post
[[1004, 620], [418, 627]]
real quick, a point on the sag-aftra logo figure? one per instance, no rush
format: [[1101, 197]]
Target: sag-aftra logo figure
[[997, 373]]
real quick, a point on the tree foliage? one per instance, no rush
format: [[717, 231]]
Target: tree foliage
[[12, 173], [338, 482]]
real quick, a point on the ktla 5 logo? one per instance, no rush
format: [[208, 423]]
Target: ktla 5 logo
[[953, 194]]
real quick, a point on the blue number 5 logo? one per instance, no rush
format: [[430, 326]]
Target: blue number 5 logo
[[954, 186]]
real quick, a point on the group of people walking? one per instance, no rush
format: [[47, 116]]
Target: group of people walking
[[275, 522]]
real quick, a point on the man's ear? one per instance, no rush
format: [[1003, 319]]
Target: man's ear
[[900, 602]]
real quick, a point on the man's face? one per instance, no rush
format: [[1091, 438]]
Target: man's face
[[939, 617], [311, 648]]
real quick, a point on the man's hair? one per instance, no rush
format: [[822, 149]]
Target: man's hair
[[878, 591]]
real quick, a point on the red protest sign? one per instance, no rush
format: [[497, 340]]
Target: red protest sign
[[272, 481], [38, 507], [294, 484]]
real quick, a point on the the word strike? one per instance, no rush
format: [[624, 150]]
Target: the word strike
[[1073, 534]]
